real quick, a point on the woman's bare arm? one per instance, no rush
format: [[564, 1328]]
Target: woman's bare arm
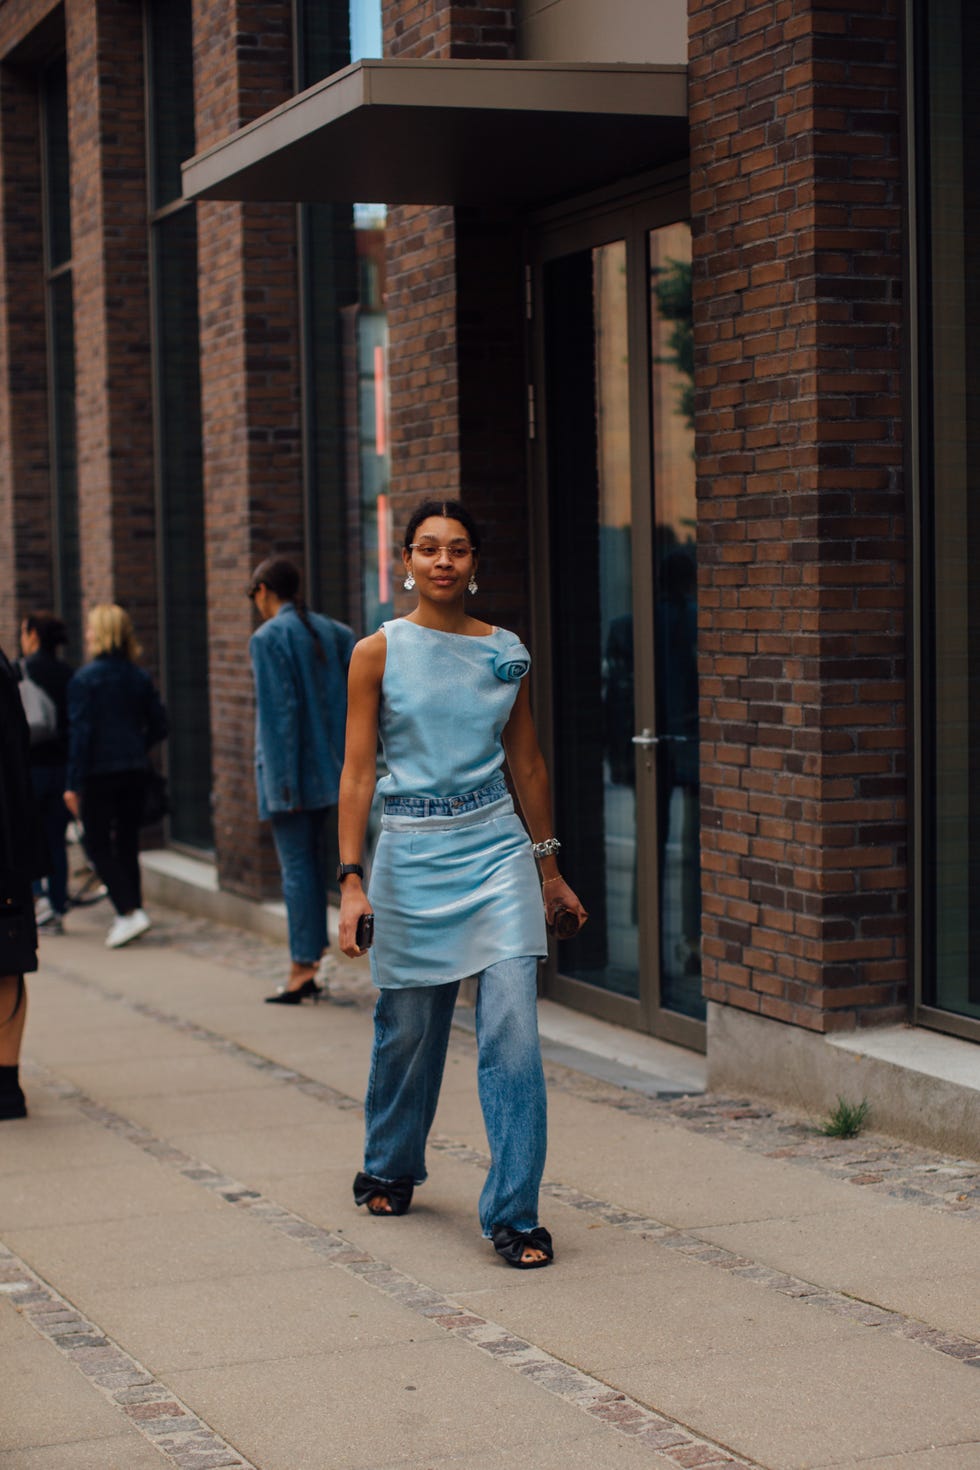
[[357, 779], [530, 777]]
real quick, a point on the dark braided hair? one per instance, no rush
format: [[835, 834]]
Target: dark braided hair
[[281, 577], [449, 510]]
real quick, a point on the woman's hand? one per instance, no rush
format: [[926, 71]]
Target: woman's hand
[[70, 799], [353, 903], [557, 894]]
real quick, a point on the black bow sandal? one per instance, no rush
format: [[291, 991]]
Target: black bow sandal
[[375, 1193], [511, 1244]]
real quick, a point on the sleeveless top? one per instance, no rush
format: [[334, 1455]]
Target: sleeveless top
[[451, 894], [445, 699]]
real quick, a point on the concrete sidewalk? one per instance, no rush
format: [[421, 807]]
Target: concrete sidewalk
[[184, 1279]]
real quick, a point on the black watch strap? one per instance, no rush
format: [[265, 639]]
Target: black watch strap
[[346, 868]]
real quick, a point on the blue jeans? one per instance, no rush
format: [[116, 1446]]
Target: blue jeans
[[411, 1035], [301, 846], [49, 785]]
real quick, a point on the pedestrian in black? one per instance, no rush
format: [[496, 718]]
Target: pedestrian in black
[[114, 718], [22, 859], [41, 635]]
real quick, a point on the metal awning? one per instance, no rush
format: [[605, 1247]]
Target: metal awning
[[453, 132]]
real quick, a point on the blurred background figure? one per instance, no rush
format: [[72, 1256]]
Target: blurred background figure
[[299, 661], [22, 859], [41, 635], [114, 718]]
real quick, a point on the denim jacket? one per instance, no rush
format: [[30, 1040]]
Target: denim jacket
[[114, 716], [300, 711]]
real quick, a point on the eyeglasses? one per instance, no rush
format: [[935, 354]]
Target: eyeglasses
[[457, 550]]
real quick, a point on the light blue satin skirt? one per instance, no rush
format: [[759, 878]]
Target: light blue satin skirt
[[452, 895]]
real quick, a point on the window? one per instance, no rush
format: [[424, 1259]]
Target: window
[[947, 194], [61, 352], [177, 421]]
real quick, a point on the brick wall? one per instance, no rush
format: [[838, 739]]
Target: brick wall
[[25, 503], [456, 334], [106, 111], [250, 381], [797, 215]]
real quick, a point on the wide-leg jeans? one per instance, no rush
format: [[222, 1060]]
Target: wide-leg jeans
[[301, 847], [411, 1036]]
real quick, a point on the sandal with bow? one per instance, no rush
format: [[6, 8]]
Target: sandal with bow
[[376, 1193], [511, 1244]]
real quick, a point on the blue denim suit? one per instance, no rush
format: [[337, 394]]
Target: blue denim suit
[[114, 717], [300, 711]]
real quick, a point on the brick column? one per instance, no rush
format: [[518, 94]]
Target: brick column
[[456, 333], [797, 217], [25, 499], [106, 109], [250, 385]]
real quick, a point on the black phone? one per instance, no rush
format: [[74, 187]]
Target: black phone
[[364, 934]]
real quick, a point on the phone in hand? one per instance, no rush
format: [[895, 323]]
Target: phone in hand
[[364, 934]]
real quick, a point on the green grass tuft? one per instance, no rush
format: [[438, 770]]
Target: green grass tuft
[[845, 1120]]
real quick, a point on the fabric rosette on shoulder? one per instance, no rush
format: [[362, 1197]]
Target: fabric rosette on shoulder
[[512, 663]]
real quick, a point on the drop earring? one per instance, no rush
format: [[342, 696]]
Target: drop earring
[[409, 582], [472, 587]]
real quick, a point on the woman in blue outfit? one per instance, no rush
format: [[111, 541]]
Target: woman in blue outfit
[[299, 660], [453, 887]]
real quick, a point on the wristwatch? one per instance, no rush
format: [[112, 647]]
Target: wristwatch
[[346, 868]]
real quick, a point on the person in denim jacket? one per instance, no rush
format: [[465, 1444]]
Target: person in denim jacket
[[114, 718], [299, 662]]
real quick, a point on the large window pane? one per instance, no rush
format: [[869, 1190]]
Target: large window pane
[[951, 482], [182, 526], [171, 43]]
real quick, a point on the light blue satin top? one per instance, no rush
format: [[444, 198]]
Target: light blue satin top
[[445, 700], [451, 894]]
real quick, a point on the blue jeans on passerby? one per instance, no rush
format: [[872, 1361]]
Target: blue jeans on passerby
[[49, 787], [411, 1034], [301, 846]]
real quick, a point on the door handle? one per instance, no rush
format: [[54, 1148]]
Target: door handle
[[646, 737]]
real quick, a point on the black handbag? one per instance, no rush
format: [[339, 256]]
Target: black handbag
[[156, 799]]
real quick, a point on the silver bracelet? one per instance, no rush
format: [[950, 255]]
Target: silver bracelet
[[546, 849]]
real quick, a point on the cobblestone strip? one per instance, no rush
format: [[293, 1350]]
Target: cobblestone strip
[[695, 1248], [903, 1171], [688, 1243], [169, 1425], [687, 1450]]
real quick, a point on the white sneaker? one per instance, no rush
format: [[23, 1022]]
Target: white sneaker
[[126, 927], [43, 912]]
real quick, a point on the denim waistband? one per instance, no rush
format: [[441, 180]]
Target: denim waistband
[[445, 806]]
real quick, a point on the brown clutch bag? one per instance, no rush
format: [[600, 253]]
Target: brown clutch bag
[[564, 922]]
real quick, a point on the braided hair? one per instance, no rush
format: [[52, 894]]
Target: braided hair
[[282, 579]]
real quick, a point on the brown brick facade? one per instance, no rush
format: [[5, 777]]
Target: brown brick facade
[[456, 334], [25, 500], [110, 273], [796, 210], [250, 379]]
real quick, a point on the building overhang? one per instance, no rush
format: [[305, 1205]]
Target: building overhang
[[508, 133]]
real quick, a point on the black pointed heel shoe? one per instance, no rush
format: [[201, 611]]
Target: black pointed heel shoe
[[284, 997]]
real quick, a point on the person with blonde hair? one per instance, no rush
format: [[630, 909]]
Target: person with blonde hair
[[114, 718]]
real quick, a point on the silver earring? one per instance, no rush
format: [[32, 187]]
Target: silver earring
[[472, 583], [409, 582]]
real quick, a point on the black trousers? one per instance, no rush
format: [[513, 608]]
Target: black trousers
[[112, 809]]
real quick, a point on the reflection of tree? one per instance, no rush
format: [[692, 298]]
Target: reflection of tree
[[672, 288]]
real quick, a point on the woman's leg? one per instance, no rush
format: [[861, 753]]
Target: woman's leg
[[298, 837], [98, 813], [411, 1034], [512, 1093], [128, 796], [13, 1015], [55, 816]]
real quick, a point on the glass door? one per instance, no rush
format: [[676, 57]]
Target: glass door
[[615, 507]]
